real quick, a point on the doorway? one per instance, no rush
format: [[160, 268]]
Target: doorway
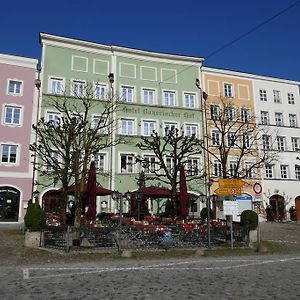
[[278, 207], [297, 204], [9, 204]]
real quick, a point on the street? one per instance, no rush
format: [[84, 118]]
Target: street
[[252, 277]]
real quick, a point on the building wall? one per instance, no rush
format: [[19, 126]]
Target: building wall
[[16, 130], [289, 187], [78, 60]]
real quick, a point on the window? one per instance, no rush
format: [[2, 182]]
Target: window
[[279, 119], [12, 115], [127, 126], [9, 154], [148, 127], [126, 163], [217, 168], [127, 93], [14, 87], [214, 111], [53, 118], [250, 171], [170, 164], [169, 126], [215, 138], [149, 96], [295, 144], [232, 168], [293, 120], [263, 95], [100, 160], [100, 123], [190, 100], [56, 86], [277, 96], [52, 161], [269, 171], [192, 167], [230, 113], [291, 98], [247, 140], [264, 116], [228, 90], [231, 139], [191, 130], [169, 98], [281, 143], [149, 166], [297, 172], [245, 114], [266, 139], [284, 171], [78, 88], [100, 91]]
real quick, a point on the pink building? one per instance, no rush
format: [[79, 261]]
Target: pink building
[[17, 114]]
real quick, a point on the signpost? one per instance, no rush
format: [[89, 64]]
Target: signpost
[[225, 182], [228, 191]]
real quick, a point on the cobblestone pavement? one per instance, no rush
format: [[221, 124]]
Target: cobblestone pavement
[[262, 276]]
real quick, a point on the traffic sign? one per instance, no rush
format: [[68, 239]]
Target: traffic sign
[[228, 191], [257, 188], [228, 183]]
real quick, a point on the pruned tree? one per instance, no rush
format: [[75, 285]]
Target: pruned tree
[[70, 136], [170, 152], [235, 141]]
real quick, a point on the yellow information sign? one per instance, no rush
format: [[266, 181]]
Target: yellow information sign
[[230, 183], [228, 191]]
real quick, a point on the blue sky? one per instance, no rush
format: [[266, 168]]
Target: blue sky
[[194, 28]]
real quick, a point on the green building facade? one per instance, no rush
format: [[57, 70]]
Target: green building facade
[[156, 91]]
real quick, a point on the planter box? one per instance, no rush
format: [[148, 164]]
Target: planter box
[[32, 239], [253, 236]]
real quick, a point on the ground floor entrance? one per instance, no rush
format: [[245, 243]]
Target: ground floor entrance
[[278, 207], [9, 204]]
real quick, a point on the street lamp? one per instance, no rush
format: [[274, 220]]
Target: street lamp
[[117, 197], [35, 196], [203, 98]]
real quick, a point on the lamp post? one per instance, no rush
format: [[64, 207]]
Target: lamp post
[[203, 98], [35, 196], [117, 197]]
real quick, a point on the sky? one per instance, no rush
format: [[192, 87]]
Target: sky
[[191, 27]]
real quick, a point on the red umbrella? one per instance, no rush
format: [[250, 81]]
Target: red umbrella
[[91, 192], [183, 194], [155, 192], [100, 191]]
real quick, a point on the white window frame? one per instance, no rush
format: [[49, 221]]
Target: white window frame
[[250, 173], [150, 169], [264, 117], [167, 127], [191, 130], [266, 139], [147, 97], [103, 128], [167, 101], [10, 148], [277, 96], [284, 171], [11, 122], [214, 111], [55, 117], [281, 143], [269, 171], [297, 172], [293, 120], [127, 124], [127, 93], [230, 113], [54, 156], [55, 89], [103, 91], [245, 114], [231, 142], [232, 167], [278, 119], [193, 166], [100, 160], [215, 138], [228, 90], [291, 98], [295, 143], [247, 140], [81, 84], [148, 126], [170, 163], [14, 93], [263, 95], [190, 100], [217, 168], [128, 167]]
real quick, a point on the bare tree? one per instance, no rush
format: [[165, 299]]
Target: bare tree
[[170, 152], [235, 141], [66, 142]]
